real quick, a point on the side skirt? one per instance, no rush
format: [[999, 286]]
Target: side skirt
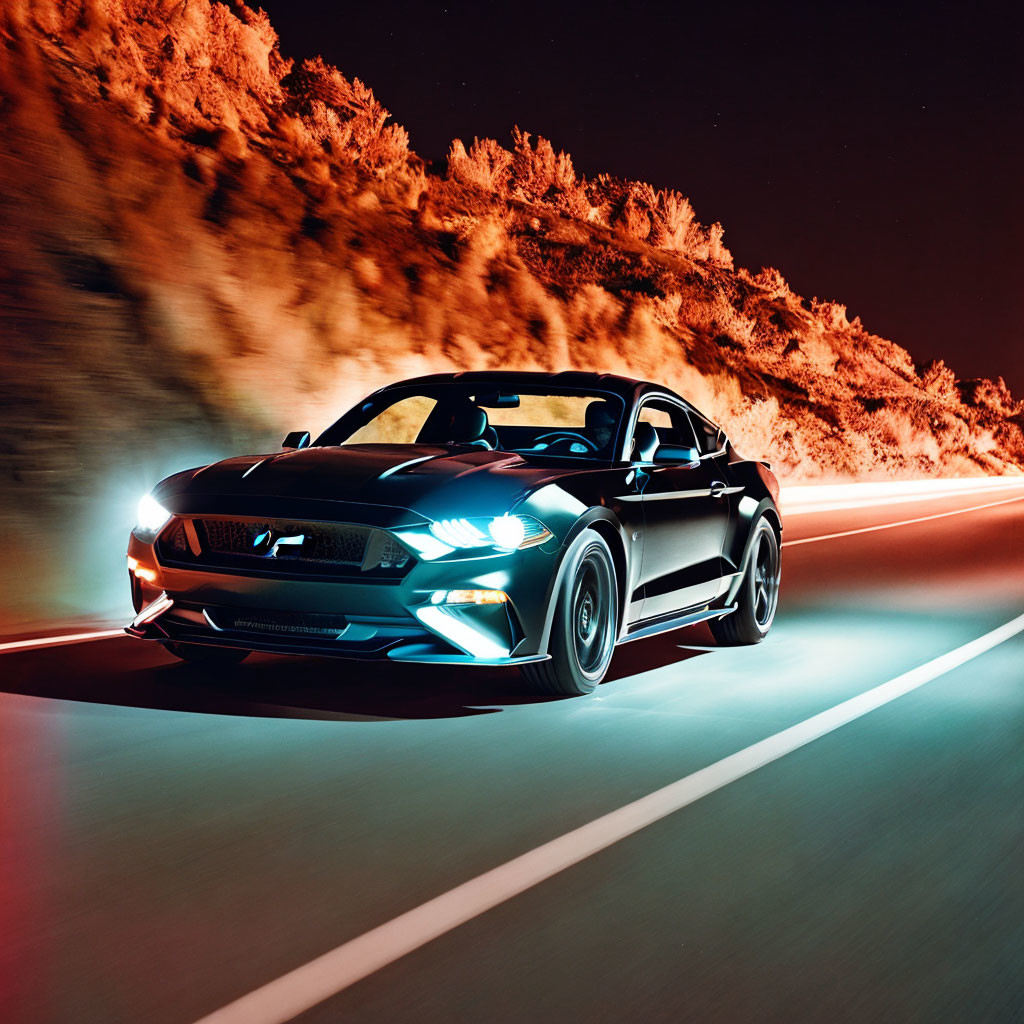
[[677, 622]]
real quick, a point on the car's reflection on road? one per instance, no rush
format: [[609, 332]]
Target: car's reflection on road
[[269, 686]]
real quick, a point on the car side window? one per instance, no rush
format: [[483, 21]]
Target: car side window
[[670, 422], [707, 434]]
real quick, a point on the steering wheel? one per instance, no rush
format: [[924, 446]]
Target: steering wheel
[[562, 436]]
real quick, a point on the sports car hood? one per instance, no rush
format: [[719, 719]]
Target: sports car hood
[[433, 482]]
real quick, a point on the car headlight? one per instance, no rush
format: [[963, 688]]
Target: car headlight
[[497, 533], [151, 518], [507, 533]]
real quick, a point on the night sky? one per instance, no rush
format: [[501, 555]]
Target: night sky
[[872, 154]]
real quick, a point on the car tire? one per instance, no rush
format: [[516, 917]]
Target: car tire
[[203, 654], [584, 625], [758, 595]]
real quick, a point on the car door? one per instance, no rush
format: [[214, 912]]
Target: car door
[[686, 517], [713, 444]]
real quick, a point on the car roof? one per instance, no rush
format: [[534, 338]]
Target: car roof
[[627, 387]]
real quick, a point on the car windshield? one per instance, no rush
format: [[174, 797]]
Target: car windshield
[[528, 420]]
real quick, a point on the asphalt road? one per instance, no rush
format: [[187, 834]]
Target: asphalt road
[[171, 840]]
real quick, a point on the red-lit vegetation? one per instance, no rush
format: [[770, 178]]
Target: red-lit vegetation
[[205, 243]]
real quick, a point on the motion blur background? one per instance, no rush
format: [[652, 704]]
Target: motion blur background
[[210, 239]]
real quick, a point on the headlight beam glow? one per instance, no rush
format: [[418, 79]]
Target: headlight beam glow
[[151, 517], [507, 531]]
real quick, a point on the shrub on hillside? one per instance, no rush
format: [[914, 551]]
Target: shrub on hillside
[[940, 381], [674, 226], [539, 174], [345, 117], [992, 396], [486, 165]]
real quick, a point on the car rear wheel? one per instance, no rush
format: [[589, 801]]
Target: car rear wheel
[[202, 654], [758, 595], [583, 629]]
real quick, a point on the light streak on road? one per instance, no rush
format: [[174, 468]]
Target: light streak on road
[[803, 499], [58, 641], [902, 522]]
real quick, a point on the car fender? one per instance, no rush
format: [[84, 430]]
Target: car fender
[[603, 522], [750, 512]]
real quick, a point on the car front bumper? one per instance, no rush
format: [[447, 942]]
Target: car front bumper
[[401, 620]]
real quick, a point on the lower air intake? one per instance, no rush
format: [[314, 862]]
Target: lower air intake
[[261, 620]]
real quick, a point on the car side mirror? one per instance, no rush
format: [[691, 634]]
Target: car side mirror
[[296, 440], [677, 454]]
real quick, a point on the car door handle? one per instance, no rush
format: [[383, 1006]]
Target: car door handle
[[718, 488]]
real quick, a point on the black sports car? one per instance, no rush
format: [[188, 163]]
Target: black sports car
[[533, 519]]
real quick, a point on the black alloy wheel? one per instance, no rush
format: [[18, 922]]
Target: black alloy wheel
[[758, 596], [584, 626]]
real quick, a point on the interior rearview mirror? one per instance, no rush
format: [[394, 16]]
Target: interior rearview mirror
[[296, 440], [677, 454]]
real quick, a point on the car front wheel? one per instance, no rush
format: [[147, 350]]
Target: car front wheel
[[584, 624]]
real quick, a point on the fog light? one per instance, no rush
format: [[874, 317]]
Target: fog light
[[140, 571], [470, 597]]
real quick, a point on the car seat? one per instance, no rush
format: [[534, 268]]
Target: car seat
[[645, 442], [459, 422]]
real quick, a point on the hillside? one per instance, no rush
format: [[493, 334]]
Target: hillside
[[206, 244]]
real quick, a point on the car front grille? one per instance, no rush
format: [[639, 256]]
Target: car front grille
[[174, 538], [284, 547], [336, 543]]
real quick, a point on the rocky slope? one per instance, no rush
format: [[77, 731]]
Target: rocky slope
[[206, 244]]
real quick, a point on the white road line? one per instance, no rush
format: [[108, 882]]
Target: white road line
[[59, 641], [902, 522], [299, 990]]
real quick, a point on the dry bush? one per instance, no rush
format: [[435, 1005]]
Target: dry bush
[[530, 173], [939, 380], [897, 433], [345, 117], [768, 280], [717, 252], [486, 165], [635, 217], [993, 396], [674, 222], [831, 315], [540, 174]]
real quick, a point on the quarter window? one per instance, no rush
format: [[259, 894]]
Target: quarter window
[[707, 434], [670, 422]]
